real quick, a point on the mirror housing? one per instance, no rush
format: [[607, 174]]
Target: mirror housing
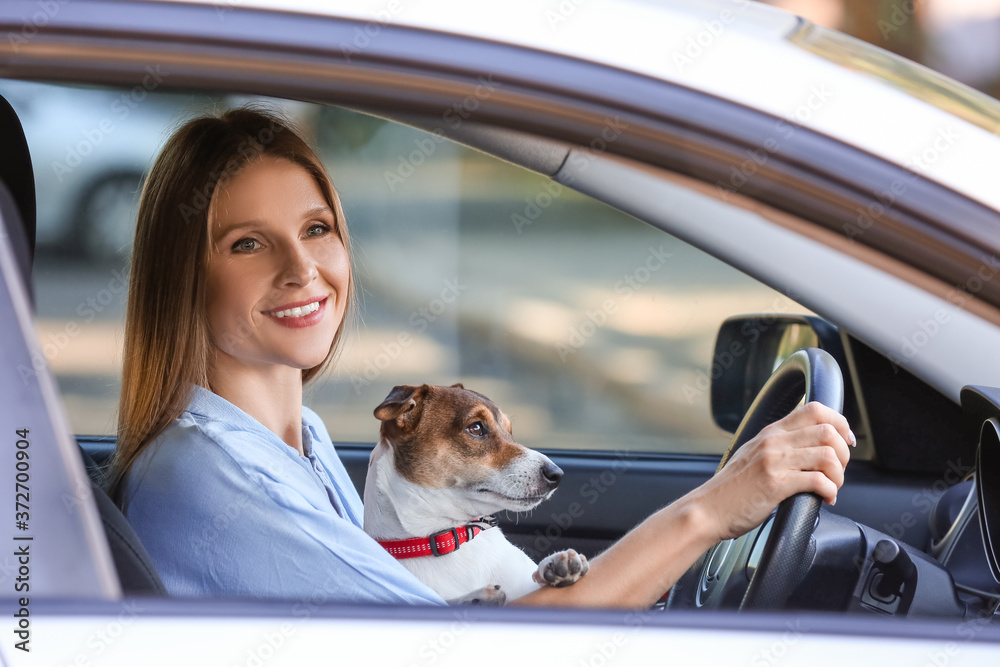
[[747, 350], [981, 406], [988, 491]]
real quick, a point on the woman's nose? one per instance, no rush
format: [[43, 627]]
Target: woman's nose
[[299, 267]]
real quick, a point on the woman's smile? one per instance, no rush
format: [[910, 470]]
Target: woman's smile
[[301, 314]]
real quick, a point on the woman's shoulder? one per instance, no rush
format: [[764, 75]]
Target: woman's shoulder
[[210, 444], [189, 450], [197, 464], [214, 449], [211, 421]]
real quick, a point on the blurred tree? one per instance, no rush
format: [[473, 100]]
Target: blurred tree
[[895, 25], [351, 130]]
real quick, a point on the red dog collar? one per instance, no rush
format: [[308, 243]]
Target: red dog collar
[[438, 544]]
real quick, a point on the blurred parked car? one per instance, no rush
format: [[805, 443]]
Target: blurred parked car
[[90, 146]]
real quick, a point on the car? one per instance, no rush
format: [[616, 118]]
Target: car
[[70, 126], [620, 220], [96, 209]]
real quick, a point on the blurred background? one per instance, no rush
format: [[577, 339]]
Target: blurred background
[[959, 38], [589, 328]]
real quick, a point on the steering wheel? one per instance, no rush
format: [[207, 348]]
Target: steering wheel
[[716, 578]]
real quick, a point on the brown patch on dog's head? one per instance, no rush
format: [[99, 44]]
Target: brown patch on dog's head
[[446, 436], [402, 406]]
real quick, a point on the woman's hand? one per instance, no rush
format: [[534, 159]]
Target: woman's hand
[[805, 451]]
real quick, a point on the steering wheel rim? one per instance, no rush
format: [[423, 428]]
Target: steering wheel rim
[[708, 583], [815, 374]]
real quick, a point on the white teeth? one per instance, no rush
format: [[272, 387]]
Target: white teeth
[[298, 311]]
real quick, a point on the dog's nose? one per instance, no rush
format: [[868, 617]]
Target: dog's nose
[[552, 473]]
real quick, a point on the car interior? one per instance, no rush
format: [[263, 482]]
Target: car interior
[[916, 532]]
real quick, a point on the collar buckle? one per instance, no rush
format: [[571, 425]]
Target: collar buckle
[[454, 534]]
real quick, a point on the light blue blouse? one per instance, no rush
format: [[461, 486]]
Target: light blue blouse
[[226, 509]]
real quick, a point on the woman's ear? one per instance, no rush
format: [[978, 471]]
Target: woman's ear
[[400, 405]]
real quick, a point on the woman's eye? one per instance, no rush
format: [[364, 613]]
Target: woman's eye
[[319, 229], [477, 430], [245, 245]]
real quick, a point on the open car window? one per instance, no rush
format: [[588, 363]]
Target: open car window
[[592, 329]]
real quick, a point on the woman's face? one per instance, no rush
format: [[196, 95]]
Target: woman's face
[[278, 271]]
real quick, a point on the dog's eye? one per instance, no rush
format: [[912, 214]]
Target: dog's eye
[[477, 430]]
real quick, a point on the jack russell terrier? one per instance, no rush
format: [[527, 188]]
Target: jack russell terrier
[[445, 463]]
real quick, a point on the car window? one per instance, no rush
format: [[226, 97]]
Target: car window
[[591, 329]]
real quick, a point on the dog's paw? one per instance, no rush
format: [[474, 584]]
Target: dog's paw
[[561, 569], [490, 596]]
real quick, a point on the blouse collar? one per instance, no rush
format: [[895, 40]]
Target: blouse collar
[[207, 403]]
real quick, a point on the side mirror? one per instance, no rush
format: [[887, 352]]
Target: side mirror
[[980, 406], [749, 348], [988, 491]]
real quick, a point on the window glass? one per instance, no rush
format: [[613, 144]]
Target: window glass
[[591, 329]]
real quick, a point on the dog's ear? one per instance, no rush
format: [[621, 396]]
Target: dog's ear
[[458, 385], [399, 406]]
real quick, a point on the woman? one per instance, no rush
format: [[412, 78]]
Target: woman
[[240, 290]]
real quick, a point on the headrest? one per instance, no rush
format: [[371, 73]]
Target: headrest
[[14, 231], [19, 181]]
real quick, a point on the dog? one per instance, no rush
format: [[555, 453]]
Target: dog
[[446, 461]]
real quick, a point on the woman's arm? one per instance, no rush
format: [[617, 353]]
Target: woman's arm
[[805, 451]]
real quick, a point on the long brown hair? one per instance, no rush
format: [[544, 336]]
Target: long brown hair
[[166, 336]]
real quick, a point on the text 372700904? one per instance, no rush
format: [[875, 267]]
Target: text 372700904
[[22, 541]]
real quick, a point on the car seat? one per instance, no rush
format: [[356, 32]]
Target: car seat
[[17, 209]]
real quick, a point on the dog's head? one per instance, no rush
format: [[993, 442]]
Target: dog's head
[[450, 438]]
